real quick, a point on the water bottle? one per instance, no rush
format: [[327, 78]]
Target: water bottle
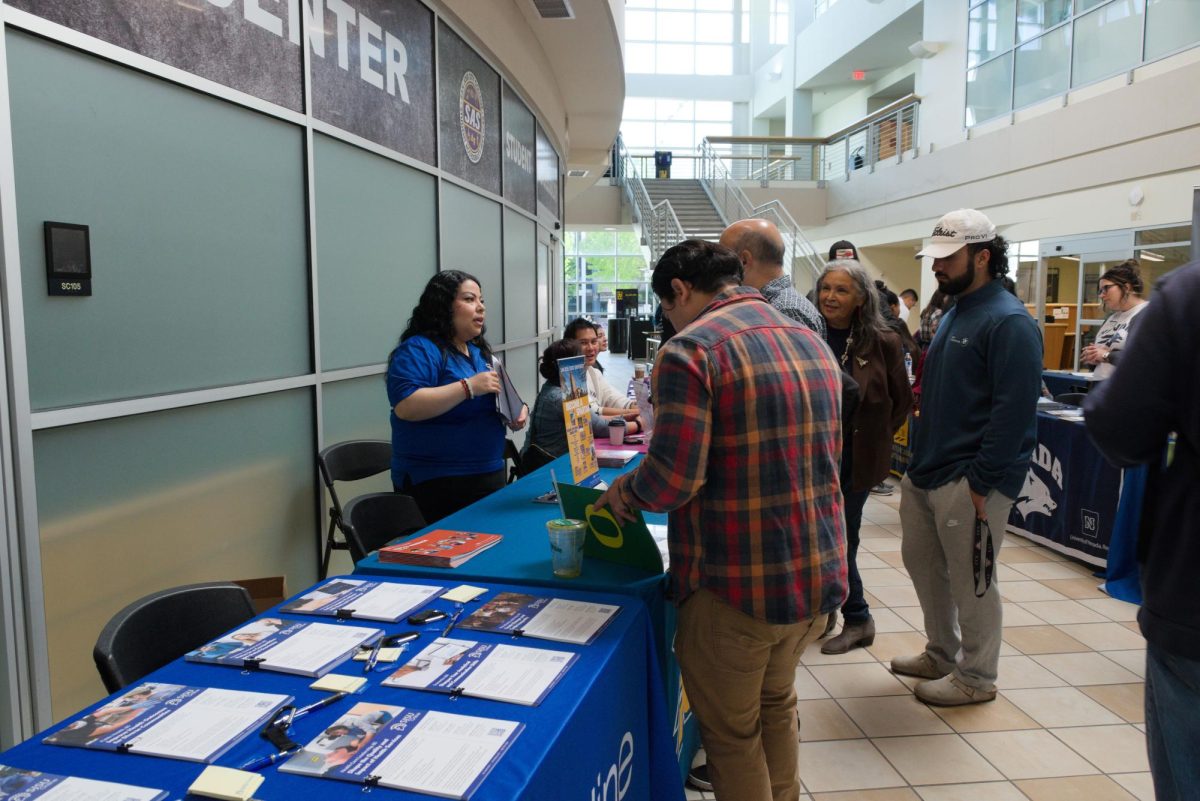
[[908, 366]]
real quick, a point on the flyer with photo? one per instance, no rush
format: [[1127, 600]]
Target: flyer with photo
[[30, 785], [196, 724], [306, 649], [556, 619], [501, 672], [577, 414], [369, 600], [407, 749]]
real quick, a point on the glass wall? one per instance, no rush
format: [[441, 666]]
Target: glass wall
[[1020, 52], [597, 263], [674, 124], [679, 37]]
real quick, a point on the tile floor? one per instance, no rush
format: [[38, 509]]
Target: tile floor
[[1067, 723]]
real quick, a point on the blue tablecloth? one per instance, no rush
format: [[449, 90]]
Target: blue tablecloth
[[601, 729], [523, 557]]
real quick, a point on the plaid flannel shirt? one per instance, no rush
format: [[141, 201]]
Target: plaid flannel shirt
[[744, 457]]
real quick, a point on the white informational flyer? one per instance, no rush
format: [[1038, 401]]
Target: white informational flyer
[[171, 720], [407, 749], [30, 785], [369, 600], [659, 532], [544, 618], [500, 672], [307, 649]]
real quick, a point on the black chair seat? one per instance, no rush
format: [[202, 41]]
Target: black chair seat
[[375, 519], [1071, 398], [164, 626]]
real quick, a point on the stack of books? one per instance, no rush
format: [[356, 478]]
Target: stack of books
[[440, 548]]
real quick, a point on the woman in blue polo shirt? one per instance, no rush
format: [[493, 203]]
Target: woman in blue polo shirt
[[447, 437]]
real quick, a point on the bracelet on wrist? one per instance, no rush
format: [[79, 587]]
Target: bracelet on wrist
[[466, 389]]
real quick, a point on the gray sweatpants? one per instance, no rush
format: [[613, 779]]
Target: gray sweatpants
[[939, 553]]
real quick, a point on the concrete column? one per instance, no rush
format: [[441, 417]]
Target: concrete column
[[799, 113]]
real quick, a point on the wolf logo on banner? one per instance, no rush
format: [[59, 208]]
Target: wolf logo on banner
[[1035, 497]]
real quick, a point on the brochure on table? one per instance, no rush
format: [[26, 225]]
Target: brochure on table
[[30, 785], [196, 724], [498, 672], [439, 548], [577, 412], [625, 543], [407, 749], [287, 646], [368, 600], [555, 619]]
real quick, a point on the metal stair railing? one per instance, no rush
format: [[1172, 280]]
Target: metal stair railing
[[660, 226], [733, 204]]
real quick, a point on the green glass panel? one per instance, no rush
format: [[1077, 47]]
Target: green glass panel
[[520, 276], [376, 248], [474, 246], [131, 505], [196, 213]]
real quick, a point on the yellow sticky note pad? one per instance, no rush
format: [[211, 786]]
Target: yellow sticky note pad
[[385, 655], [226, 783], [463, 593], [333, 683]]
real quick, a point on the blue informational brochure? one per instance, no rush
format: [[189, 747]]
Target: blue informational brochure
[[30, 785], [287, 646], [176, 721], [368, 600], [437, 753], [499, 672]]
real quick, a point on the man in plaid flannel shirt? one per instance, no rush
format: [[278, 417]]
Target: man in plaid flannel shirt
[[745, 459]]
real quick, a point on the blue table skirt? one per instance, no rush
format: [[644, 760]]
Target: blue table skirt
[[602, 728]]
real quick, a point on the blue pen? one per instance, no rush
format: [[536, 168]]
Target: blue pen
[[374, 657], [268, 760]]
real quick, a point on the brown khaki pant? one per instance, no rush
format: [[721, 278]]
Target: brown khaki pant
[[739, 674]]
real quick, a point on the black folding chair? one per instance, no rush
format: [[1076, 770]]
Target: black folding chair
[[535, 457], [164, 626], [348, 461], [1070, 398], [511, 454], [375, 519]]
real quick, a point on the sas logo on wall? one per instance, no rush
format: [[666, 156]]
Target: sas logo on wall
[[470, 116]]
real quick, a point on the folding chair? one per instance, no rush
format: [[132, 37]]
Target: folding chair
[[348, 461]]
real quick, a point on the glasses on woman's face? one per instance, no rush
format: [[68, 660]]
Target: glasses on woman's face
[[1104, 288]]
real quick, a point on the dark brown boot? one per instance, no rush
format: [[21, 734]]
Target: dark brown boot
[[852, 635]]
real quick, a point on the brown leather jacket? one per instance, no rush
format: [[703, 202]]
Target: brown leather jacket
[[885, 399]]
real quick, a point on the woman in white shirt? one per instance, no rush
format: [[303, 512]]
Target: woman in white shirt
[[1120, 290]]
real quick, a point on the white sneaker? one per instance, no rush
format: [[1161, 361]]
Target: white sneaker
[[882, 488]]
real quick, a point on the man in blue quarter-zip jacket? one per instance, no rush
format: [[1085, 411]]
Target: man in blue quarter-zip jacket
[[977, 430], [1154, 391]]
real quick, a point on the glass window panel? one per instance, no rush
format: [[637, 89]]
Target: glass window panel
[[686, 5], [670, 109], [1171, 25], [571, 268], [989, 90], [599, 268], [1107, 41], [716, 5], [640, 4], [638, 135], [638, 108], [745, 27], [989, 30], [639, 25], [714, 110], [1087, 5], [714, 27], [676, 26], [714, 60], [1042, 67], [479, 253], [639, 58], [675, 59], [704, 129], [676, 134], [1036, 16], [1154, 236], [631, 268], [627, 242], [597, 242]]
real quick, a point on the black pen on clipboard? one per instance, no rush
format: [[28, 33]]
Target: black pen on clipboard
[[453, 621]]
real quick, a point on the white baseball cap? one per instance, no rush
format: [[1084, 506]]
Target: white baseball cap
[[955, 231]]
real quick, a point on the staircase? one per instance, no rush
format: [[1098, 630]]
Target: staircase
[[697, 216]]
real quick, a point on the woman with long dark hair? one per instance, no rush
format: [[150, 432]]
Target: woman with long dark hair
[[447, 437], [871, 353]]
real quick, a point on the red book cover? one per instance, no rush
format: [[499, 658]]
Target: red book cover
[[440, 548]]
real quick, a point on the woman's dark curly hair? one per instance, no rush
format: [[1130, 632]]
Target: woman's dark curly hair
[[1127, 275], [432, 316], [561, 349]]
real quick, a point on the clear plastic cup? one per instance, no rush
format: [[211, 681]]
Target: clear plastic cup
[[566, 546]]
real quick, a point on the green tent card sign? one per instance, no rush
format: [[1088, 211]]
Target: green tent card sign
[[628, 544]]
